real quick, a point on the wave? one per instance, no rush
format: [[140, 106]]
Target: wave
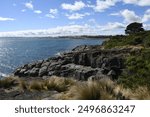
[[3, 75], [62, 53], [59, 54]]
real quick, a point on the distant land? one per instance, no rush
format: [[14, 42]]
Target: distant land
[[70, 36], [89, 36]]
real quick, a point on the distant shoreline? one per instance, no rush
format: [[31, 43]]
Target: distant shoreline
[[69, 37]]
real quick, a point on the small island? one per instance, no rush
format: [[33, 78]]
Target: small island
[[119, 69]]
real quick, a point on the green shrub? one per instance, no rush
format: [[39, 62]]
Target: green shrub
[[142, 38], [137, 70]]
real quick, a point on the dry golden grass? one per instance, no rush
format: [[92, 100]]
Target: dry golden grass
[[68, 88], [104, 89], [36, 85], [141, 93], [59, 84], [91, 90], [23, 85], [9, 82]]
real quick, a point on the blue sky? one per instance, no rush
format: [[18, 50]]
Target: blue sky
[[70, 17]]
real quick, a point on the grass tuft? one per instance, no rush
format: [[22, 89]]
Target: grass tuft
[[59, 84], [9, 82], [36, 85]]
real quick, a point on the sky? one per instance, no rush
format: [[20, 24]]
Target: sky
[[71, 17]]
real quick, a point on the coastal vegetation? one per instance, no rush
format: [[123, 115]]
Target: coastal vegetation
[[116, 70], [137, 65]]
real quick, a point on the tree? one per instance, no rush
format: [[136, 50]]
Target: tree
[[134, 28]]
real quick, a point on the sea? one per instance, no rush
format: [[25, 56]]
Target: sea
[[16, 51]]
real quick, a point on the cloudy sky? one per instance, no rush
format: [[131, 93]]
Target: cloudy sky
[[71, 17]]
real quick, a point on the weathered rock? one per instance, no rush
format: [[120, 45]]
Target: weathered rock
[[34, 72], [78, 71], [81, 63], [45, 64], [43, 71], [39, 63]]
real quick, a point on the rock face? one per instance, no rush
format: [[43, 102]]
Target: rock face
[[81, 63]]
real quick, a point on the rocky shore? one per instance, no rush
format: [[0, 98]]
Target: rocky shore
[[117, 69], [82, 63], [62, 77]]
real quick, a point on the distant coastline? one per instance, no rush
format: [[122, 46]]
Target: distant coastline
[[67, 36], [87, 36]]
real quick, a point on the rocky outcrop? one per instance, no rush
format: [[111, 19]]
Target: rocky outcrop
[[81, 63]]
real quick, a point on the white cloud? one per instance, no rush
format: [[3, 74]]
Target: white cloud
[[6, 19], [112, 26], [23, 10], [50, 16], [138, 2], [69, 30], [53, 11], [146, 16], [37, 11], [101, 5], [146, 26], [130, 16], [58, 31], [148, 11], [76, 16], [29, 5], [78, 5]]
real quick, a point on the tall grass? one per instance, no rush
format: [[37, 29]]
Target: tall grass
[[9, 82], [59, 84], [91, 90], [104, 89], [36, 85]]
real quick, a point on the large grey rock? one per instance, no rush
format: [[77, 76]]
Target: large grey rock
[[34, 72], [39, 63], [43, 71]]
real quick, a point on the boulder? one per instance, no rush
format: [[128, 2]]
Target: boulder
[[43, 71], [39, 63], [34, 72]]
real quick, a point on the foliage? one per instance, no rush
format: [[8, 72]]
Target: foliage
[[134, 28], [137, 70], [142, 38]]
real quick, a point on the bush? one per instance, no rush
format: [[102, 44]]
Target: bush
[[59, 84], [142, 38], [92, 90], [8, 82], [36, 85], [137, 70]]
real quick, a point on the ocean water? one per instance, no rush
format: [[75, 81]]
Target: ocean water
[[15, 52]]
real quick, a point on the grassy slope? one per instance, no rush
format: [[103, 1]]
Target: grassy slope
[[137, 71]]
